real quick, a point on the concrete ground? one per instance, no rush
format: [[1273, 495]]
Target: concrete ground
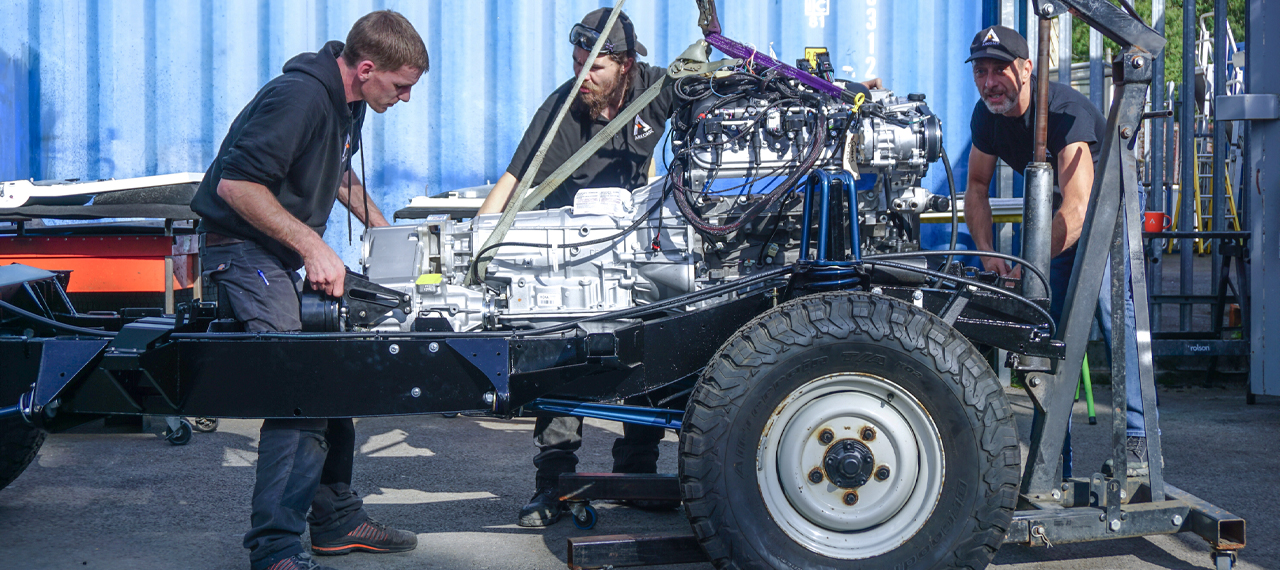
[[109, 499]]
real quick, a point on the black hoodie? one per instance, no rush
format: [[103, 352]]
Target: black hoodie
[[295, 138]]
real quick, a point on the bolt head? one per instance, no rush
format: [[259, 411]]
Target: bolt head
[[1177, 520], [1126, 132], [850, 498], [882, 473], [1138, 62], [1057, 495], [917, 295], [394, 349], [826, 436], [1115, 524], [489, 398], [434, 347], [815, 476], [868, 433], [1033, 381], [415, 392]]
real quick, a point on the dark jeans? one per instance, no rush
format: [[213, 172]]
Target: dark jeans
[[302, 463], [1059, 277], [559, 437]]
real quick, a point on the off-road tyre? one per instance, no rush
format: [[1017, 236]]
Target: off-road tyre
[[873, 343], [19, 443]]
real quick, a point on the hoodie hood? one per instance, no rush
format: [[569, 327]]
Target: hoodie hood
[[323, 65]]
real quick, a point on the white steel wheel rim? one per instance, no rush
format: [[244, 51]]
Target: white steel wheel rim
[[887, 512]]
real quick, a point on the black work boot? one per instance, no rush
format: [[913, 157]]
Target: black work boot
[[545, 508], [370, 536]]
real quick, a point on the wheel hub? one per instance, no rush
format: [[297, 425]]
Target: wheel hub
[[849, 464]]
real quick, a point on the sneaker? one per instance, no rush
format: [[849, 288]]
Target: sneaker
[[297, 562], [370, 536], [544, 509], [1135, 449]]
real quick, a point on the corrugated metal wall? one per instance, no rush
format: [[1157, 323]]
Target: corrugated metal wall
[[125, 88]]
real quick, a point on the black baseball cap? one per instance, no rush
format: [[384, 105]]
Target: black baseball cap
[[998, 42], [621, 38]]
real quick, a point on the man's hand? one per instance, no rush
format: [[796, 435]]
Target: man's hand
[[325, 270], [873, 83]]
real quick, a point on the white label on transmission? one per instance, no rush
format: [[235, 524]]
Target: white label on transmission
[[546, 300], [615, 202]]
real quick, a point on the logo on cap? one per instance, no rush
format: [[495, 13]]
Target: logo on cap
[[991, 38]]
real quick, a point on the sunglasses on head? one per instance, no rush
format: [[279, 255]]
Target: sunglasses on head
[[585, 38]]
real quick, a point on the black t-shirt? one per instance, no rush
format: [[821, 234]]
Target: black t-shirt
[[1072, 119], [619, 163]]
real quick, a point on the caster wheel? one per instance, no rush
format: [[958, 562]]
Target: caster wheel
[[180, 435], [204, 425], [586, 518]]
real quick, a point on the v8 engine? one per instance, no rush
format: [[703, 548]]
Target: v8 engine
[[730, 205]]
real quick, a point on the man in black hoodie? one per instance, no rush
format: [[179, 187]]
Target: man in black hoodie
[[263, 204]]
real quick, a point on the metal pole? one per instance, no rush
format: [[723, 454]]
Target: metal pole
[[1156, 192], [1064, 49], [1037, 215], [1096, 78], [1219, 151], [1186, 196]]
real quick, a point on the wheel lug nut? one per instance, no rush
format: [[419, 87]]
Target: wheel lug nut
[[850, 498], [868, 433], [882, 473], [815, 476], [827, 436]]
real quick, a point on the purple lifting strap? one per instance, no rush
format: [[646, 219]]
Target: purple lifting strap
[[736, 50]]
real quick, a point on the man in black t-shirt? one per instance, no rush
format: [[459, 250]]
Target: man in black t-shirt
[[1003, 126], [615, 79]]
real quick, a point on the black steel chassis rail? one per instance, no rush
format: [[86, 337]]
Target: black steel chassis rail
[[147, 369]]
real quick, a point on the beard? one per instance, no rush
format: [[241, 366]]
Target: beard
[[1006, 102], [599, 97]]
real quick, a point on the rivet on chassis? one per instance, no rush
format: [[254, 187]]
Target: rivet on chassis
[[882, 473], [415, 392], [433, 347], [815, 476], [826, 436], [868, 433], [850, 498]]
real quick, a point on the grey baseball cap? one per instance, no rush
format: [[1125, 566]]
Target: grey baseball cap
[[621, 38]]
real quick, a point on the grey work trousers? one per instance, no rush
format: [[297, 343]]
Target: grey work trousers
[[302, 463]]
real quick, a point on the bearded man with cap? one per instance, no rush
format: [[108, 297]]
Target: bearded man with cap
[[614, 80], [1003, 127]]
